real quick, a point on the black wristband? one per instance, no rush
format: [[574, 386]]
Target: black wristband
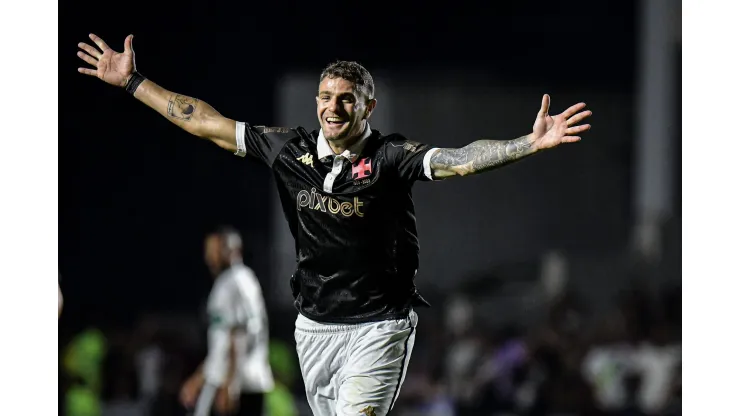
[[134, 82]]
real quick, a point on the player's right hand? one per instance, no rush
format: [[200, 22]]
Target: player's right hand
[[189, 393], [113, 67]]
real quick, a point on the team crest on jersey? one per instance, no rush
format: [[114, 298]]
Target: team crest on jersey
[[362, 168], [307, 159]]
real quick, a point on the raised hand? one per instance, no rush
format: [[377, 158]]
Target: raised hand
[[549, 131], [113, 67]]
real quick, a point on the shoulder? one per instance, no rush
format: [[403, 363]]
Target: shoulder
[[241, 270], [396, 144], [284, 133], [242, 274], [269, 143], [388, 139], [297, 135]]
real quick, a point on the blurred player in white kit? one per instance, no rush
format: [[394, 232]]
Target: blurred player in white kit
[[236, 374]]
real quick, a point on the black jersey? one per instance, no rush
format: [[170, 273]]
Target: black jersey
[[352, 218]]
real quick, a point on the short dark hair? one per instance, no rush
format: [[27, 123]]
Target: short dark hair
[[352, 72]]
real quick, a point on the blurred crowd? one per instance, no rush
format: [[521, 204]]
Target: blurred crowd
[[626, 362], [115, 369]]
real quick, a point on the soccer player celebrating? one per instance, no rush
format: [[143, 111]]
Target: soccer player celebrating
[[346, 193]]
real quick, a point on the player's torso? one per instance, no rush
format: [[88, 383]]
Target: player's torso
[[337, 203], [356, 256]]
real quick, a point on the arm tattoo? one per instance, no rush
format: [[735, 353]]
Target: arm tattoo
[[479, 156], [181, 107]]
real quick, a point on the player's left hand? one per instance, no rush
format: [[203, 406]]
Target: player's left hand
[[549, 131]]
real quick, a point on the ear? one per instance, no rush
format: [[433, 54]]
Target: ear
[[370, 107]]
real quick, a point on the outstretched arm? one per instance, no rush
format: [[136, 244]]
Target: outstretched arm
[[191, 114], [484, 155], [480, 156]]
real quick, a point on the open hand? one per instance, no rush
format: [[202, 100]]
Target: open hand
[[113, 67], [549, 131]]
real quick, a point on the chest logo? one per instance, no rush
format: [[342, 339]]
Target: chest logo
[[317, 202], [307, 159], [362, 169]]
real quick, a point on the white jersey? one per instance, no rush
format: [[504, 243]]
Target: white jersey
[[236, 303]]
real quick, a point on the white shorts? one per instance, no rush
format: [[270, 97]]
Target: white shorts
[[354, 369]]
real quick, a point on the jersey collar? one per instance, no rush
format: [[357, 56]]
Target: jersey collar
[[352, 153]]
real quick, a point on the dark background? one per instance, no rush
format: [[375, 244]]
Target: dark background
[[138, 195]]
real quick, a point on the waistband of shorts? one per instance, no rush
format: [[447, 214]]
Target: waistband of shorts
[[310, 326]]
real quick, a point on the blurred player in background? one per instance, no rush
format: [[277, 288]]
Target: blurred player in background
[[346, 193], [236, 374]]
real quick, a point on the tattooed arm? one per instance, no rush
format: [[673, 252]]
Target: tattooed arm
[[192, 115], [480, 156]]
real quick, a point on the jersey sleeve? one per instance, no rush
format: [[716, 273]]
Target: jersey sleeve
[[410, 159], [264, 143]]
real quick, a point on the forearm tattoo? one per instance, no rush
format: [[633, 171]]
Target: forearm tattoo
[[479, 156], [182, 107]]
